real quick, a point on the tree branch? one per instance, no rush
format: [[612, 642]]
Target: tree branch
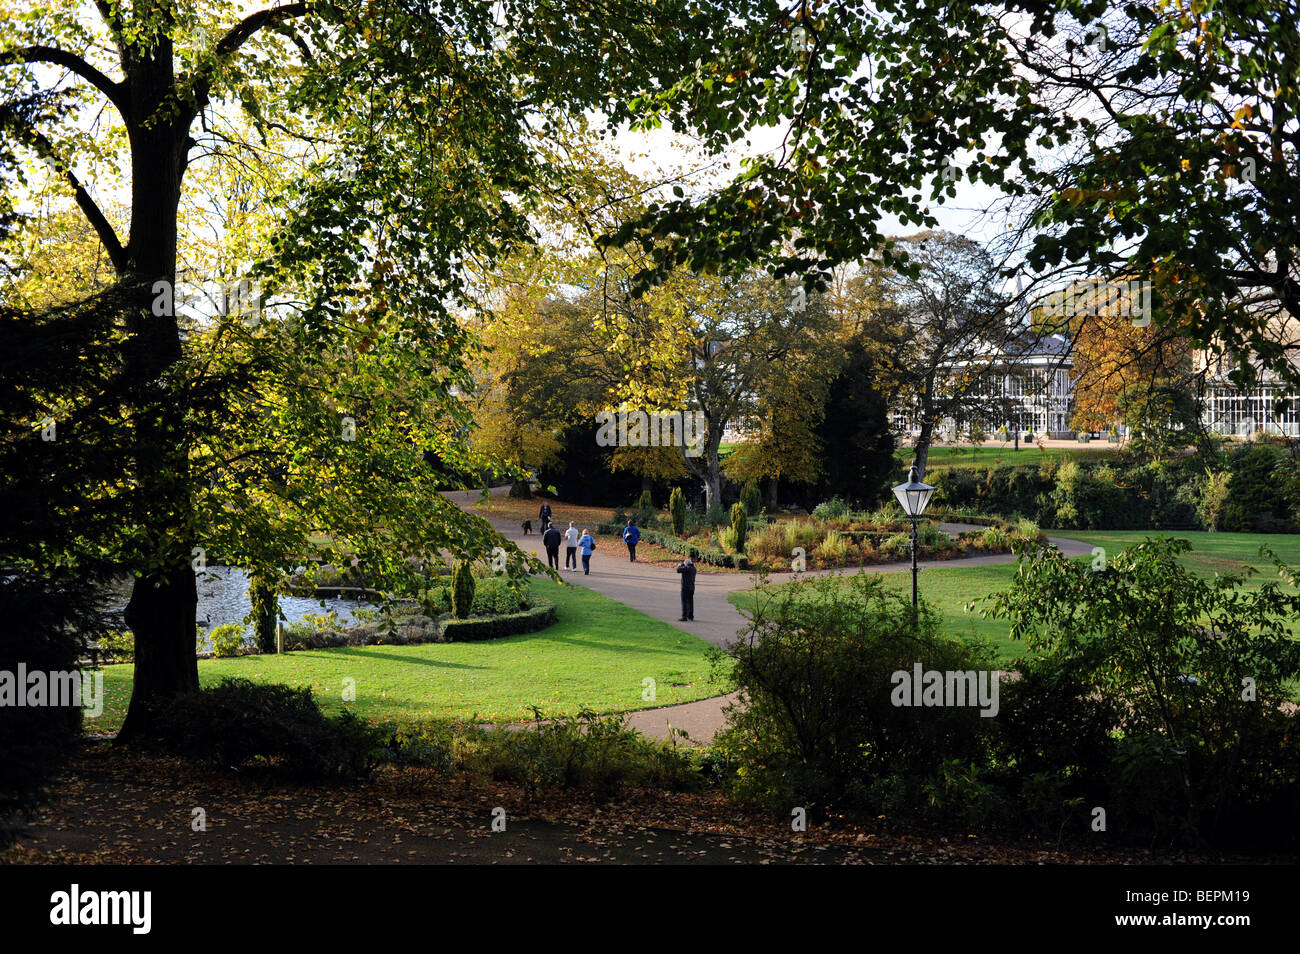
[[245, 28], [111, 20], [236, 37], [115, 92], [23, 130]]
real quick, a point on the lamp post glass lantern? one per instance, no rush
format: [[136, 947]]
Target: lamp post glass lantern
[[914, 497]]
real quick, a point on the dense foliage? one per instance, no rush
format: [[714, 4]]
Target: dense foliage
[[1146, 696], [1249, 493], [47, 624], [237, 724]]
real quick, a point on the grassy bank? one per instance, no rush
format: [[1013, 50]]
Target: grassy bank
[[597, 655], [950, 589]]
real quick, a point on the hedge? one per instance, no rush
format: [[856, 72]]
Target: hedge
[[495, 627], [944, 515], [699, 554]]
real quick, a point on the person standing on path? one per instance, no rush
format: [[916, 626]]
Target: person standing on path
[[551, 540], [687, 569], [545, 514], [587, 543], [631, 536], [571, 547]]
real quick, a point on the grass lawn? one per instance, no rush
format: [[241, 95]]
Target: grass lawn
[[1211, 552], [596, 656], [983, 456], [949, 589]]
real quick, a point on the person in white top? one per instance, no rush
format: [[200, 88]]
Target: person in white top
[[571, 547]]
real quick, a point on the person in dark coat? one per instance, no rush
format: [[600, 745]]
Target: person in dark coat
[[687, 569], [545, 514], [551, 540]]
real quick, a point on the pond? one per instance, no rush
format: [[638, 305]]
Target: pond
[[223, 598]]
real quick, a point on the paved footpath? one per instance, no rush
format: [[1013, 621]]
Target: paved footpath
[[654, 590]]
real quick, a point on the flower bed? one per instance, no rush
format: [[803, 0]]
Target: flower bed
[[844, 542]]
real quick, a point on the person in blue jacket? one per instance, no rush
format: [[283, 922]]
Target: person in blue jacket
[[586, 543], [631, 536]]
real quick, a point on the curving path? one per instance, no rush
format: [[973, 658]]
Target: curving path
[[654, 591]]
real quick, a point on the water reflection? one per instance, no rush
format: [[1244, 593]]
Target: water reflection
[[223, 598]]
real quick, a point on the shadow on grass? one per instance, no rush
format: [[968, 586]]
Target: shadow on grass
[[367, 652], [613, 647]]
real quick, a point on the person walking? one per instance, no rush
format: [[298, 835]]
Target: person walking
[[687, 569], [571, 547], [586, 543], [545, 514], [551, 540], [631, 536]]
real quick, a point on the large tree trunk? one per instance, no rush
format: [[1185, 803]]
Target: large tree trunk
[[713, 485], [161, 611], [161, 608], [521, 489], [708, 468], [922, 448]]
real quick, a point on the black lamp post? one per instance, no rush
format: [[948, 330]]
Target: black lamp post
[[915, 497]]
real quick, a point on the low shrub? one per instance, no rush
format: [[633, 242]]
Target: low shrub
[[886, 518], [1199, 673], [496, 627], [768, 546], [387, 631], [498, 595], [227, 639], [237, 724], [1026, 529], [831, 509], [434, 600], [595, 754], [802, 533], [751, 498], [818, 725], [45, 620], [834, 549], [1257, 501], [714, 557], [716, 515], [996, 539], [116, 645], [896, 545]]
